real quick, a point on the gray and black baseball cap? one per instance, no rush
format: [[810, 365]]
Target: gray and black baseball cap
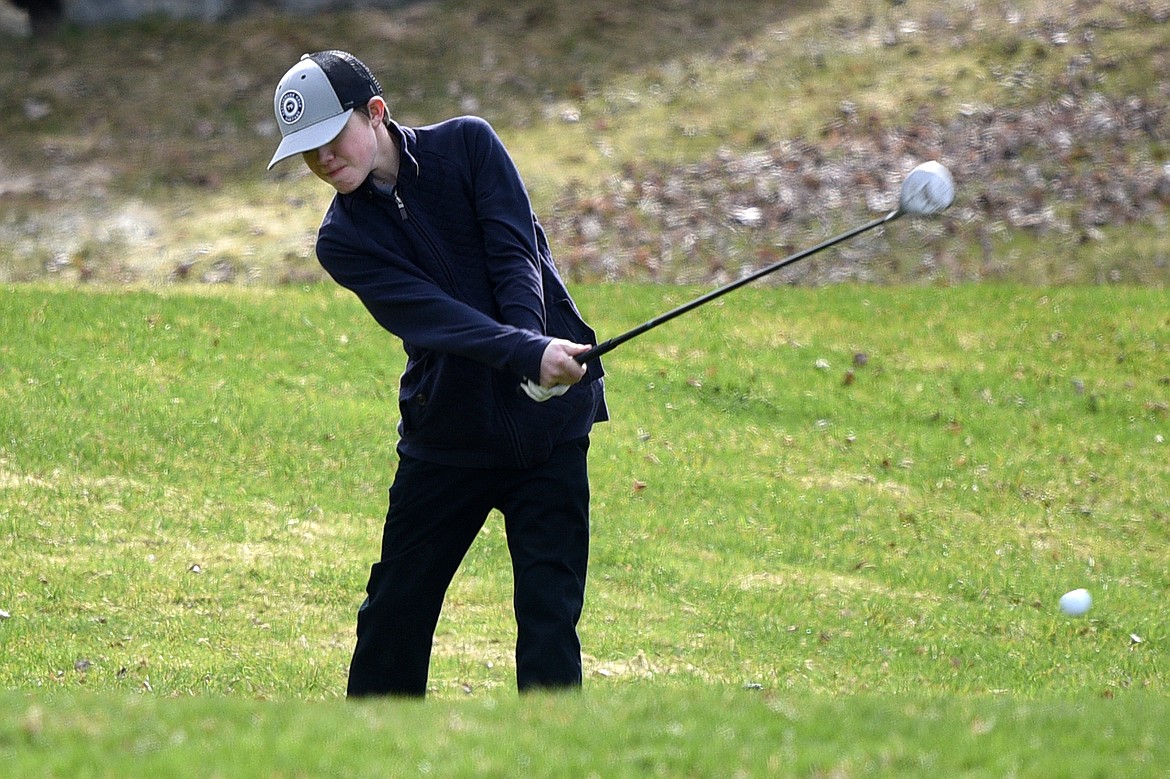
[[315, 98]]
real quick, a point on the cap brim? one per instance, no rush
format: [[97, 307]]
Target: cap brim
[[312, 137]]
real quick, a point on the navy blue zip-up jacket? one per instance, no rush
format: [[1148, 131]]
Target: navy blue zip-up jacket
[[454, 262]]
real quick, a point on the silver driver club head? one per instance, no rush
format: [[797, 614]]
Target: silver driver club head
[[927, 190]]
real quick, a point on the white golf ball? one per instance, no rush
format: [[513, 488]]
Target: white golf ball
[[1076, 602]]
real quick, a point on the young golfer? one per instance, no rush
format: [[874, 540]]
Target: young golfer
[[432, 229]]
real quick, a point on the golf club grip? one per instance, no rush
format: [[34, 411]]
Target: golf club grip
[[617, 341], [598, 350]]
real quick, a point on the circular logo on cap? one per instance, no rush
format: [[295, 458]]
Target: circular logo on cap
[[292, 105]]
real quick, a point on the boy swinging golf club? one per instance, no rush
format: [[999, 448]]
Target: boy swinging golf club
[[432, 229]]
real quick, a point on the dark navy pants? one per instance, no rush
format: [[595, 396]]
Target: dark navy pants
[[436, 511]]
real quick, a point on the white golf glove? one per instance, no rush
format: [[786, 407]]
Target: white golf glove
[[541, 394]]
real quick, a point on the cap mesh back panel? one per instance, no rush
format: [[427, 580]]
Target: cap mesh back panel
[[354, 83]]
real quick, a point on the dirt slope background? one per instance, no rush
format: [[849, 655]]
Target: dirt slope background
[[673, 141]]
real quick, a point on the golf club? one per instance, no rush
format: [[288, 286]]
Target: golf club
[[928, 189]]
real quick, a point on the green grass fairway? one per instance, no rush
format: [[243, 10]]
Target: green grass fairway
[[830, 530], [692, 731]]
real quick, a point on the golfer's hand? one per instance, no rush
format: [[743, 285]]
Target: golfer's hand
[[558, 370], [557, 365]]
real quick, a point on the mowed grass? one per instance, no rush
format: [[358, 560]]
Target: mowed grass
[[830, 530], [692, 731]]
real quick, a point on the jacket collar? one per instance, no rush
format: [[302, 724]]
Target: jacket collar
[[408, 169], [407, 141]]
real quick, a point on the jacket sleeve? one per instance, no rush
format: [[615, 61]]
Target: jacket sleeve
[[412, 307], [505, 215]]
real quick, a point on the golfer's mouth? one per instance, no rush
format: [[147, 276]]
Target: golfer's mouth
[[333, 173]]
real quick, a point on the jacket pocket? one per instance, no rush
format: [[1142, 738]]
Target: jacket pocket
[[415, 390]]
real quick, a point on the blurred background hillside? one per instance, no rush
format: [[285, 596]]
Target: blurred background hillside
[[671, 141]]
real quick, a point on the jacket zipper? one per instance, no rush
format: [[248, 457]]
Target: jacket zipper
[[427, 240]]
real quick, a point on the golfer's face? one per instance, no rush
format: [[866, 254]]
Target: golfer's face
[[346, 161]]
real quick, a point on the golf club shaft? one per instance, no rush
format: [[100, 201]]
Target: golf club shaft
[[617, 341]]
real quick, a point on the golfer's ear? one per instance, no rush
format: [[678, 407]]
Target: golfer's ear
[[378, 109]]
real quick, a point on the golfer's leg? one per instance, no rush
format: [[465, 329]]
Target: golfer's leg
[[435, 514], [546, 514]]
